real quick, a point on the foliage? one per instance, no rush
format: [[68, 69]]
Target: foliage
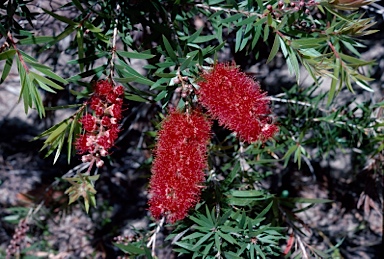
[[177, 41]]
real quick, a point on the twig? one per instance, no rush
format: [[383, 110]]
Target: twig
[[114, 43], [243, 164], [152, 240], [207, 7], [305, 255], [295, 102]]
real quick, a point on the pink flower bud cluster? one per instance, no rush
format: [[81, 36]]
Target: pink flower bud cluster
[[177, 170], [101, 128], [237, 102], [18, 240]]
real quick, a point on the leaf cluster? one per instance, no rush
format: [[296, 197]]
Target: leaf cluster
[[230, 235]]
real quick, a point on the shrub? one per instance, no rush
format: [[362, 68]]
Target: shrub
[[208, 179]]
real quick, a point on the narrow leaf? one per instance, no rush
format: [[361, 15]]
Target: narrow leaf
[[7, 54], [335, 79], [247, 21], [80, 47], [61, 18], [169, 49], [6, 69], [275, 48], [232, 18], [130, 249], [36, 40], [135, 55]]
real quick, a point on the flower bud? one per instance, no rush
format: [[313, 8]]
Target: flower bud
[[101, 129]]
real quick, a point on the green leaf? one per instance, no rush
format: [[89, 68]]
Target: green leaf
[[56, 132], [307, 43], [131, 75], [134, 97], [44, 86], [78, 5], [227, 237], [355, 61], [135, 55], [80, 47], [187, 61], [2, 29], [223, 218], [364, 86], [24, 93], [92, 27], [206, 38], [61, 18], [89, 59], [166, 75], [202, 221], [335, 79], [217, 243], [210, 215], [59, 148], [242, 201], [275, 48], [202, 240], [29, 92], [266, 33], [36, 40], [194, 35], [88, 73], [169, 49], [293, 64], [193, 236], [61, 36], [134, 78], [297, 157], [247, 21], [51, 74], [306, 200], [7, 54], [130, 249], [238, 39], [290, 151], [265, 211], [185, 246], [232, 18], [246, 193], [46, 81], [73, 132], [6, 69]]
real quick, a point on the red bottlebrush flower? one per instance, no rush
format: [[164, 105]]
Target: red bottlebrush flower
[[103, 87], [89, 122], [81, 144], [106, 121], [101, 129], [119, 90], [237, 102], [178, 167]]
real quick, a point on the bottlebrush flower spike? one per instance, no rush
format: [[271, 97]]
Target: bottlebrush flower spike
[[101, 129], [177, 170], [237, 102]]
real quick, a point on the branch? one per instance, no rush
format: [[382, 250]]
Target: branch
[[152, 240], [216, 9], [114, 43]]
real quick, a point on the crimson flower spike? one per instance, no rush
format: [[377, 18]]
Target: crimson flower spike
[[178, 167], [101, 128], [237, 102]]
